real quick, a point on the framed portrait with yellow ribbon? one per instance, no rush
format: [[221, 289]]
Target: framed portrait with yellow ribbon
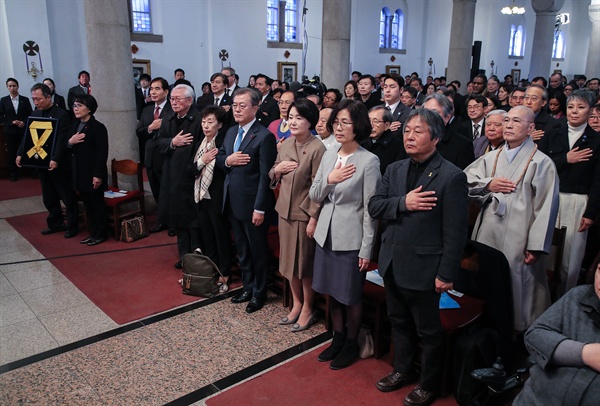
[[39, 142]]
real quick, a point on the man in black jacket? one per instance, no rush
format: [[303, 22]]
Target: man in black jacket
[[56, 180]]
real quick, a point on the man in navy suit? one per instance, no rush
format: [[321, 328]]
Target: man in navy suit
[[217, 97], [14, 110], [246, 156], [424, 200]]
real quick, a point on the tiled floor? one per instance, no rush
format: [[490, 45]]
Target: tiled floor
[[204, 348]]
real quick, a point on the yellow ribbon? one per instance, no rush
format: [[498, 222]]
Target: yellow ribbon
[[38, 142]]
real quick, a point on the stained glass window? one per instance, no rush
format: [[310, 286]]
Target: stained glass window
[[140, 16]]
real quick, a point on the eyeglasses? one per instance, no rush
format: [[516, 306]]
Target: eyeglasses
[[178, 99], [344, 124], [532, 98], [594, 117], [375, 121], [241, 106], [514, 121], [78, 105], [285, 102]]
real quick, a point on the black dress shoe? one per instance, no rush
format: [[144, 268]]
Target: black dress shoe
[[70, 234], [393, 381], [48, 231], [158, 228], [241, 298], [347, 355], [96, 241], [86, 240], [419, 397], [172, 232], [179, 264], [255, 305]]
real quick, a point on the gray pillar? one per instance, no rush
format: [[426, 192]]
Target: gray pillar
[[543, 36], [109, 53], [592, 68], [461, 41], [335, 50]]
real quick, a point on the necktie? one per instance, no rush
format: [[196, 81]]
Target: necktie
[[388, 108], [227, 92], [216, 101], [476, 131], [156, 112], [238, 140]]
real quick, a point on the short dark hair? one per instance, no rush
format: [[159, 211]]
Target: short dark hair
[[588, 96], [44, 88], [218, 111], [267, 79], [145, 76], [163, 83], [387, 116], [308, 110], [356, 73], [370, 77], [49, 80], [178, 70], [255, 95], [359, 116], [417, 79], [83, 72], [12, 80], [413, 92], [396, 78], [481, 76], [220, 75], [434, 122], [543, 79], [338, 94], [279, 90], [444, 102], [582, 77], [456, 83], [87, 100], [414, 75], [518, 89], [276, 80], [478, 98]]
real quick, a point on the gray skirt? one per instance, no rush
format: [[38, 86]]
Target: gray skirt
[[336, 274]]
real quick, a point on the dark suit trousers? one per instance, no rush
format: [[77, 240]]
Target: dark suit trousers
[[155, 176], [216, 238], [56, 186], [188, 239], [415, 314], [95, 208], [253, 251], [13, 141]]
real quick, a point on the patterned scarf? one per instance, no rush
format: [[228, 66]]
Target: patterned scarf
[[205, 179]]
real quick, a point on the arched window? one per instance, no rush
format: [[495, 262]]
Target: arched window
[[391, 29], [140, 16], [282, 29], [516, 45], [558, 49]]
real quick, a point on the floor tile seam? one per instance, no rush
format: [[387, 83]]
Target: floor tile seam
[[85, 254]]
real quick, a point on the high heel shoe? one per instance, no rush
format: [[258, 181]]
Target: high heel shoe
[[286, 320], [297, 327]]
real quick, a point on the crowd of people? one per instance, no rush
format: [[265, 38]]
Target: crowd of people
[[388, 162]]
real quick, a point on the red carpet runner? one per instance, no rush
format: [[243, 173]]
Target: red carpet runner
[[306, 381], [24, 187]]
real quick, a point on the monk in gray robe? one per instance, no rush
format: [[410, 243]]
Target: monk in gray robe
[[517, 189]]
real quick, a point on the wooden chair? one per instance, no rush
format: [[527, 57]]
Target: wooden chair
[[120, 207], [554, 275]]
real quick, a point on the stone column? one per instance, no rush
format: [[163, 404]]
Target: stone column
[[461, 41], [335, 50], [543, 36], [109, 53], [592, 68]]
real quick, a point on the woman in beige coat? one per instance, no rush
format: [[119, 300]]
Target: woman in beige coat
[[294, 170]]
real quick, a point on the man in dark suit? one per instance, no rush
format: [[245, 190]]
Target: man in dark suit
[[83, 87], [382, 142], [417, 84], [56, 180], [366, 86], [246, 156], [392, 91], [232, 86], [14, 110], [142, 94], [424, 201], [218, 95], [147, 133], [268, 110], [536, 98], [454, 147], [474, 127], [56, 98]]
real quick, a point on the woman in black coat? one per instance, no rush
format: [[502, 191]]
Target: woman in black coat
[[89, 146]]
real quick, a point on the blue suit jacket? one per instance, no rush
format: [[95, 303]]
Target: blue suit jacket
[[422, 245], [247, 187]]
